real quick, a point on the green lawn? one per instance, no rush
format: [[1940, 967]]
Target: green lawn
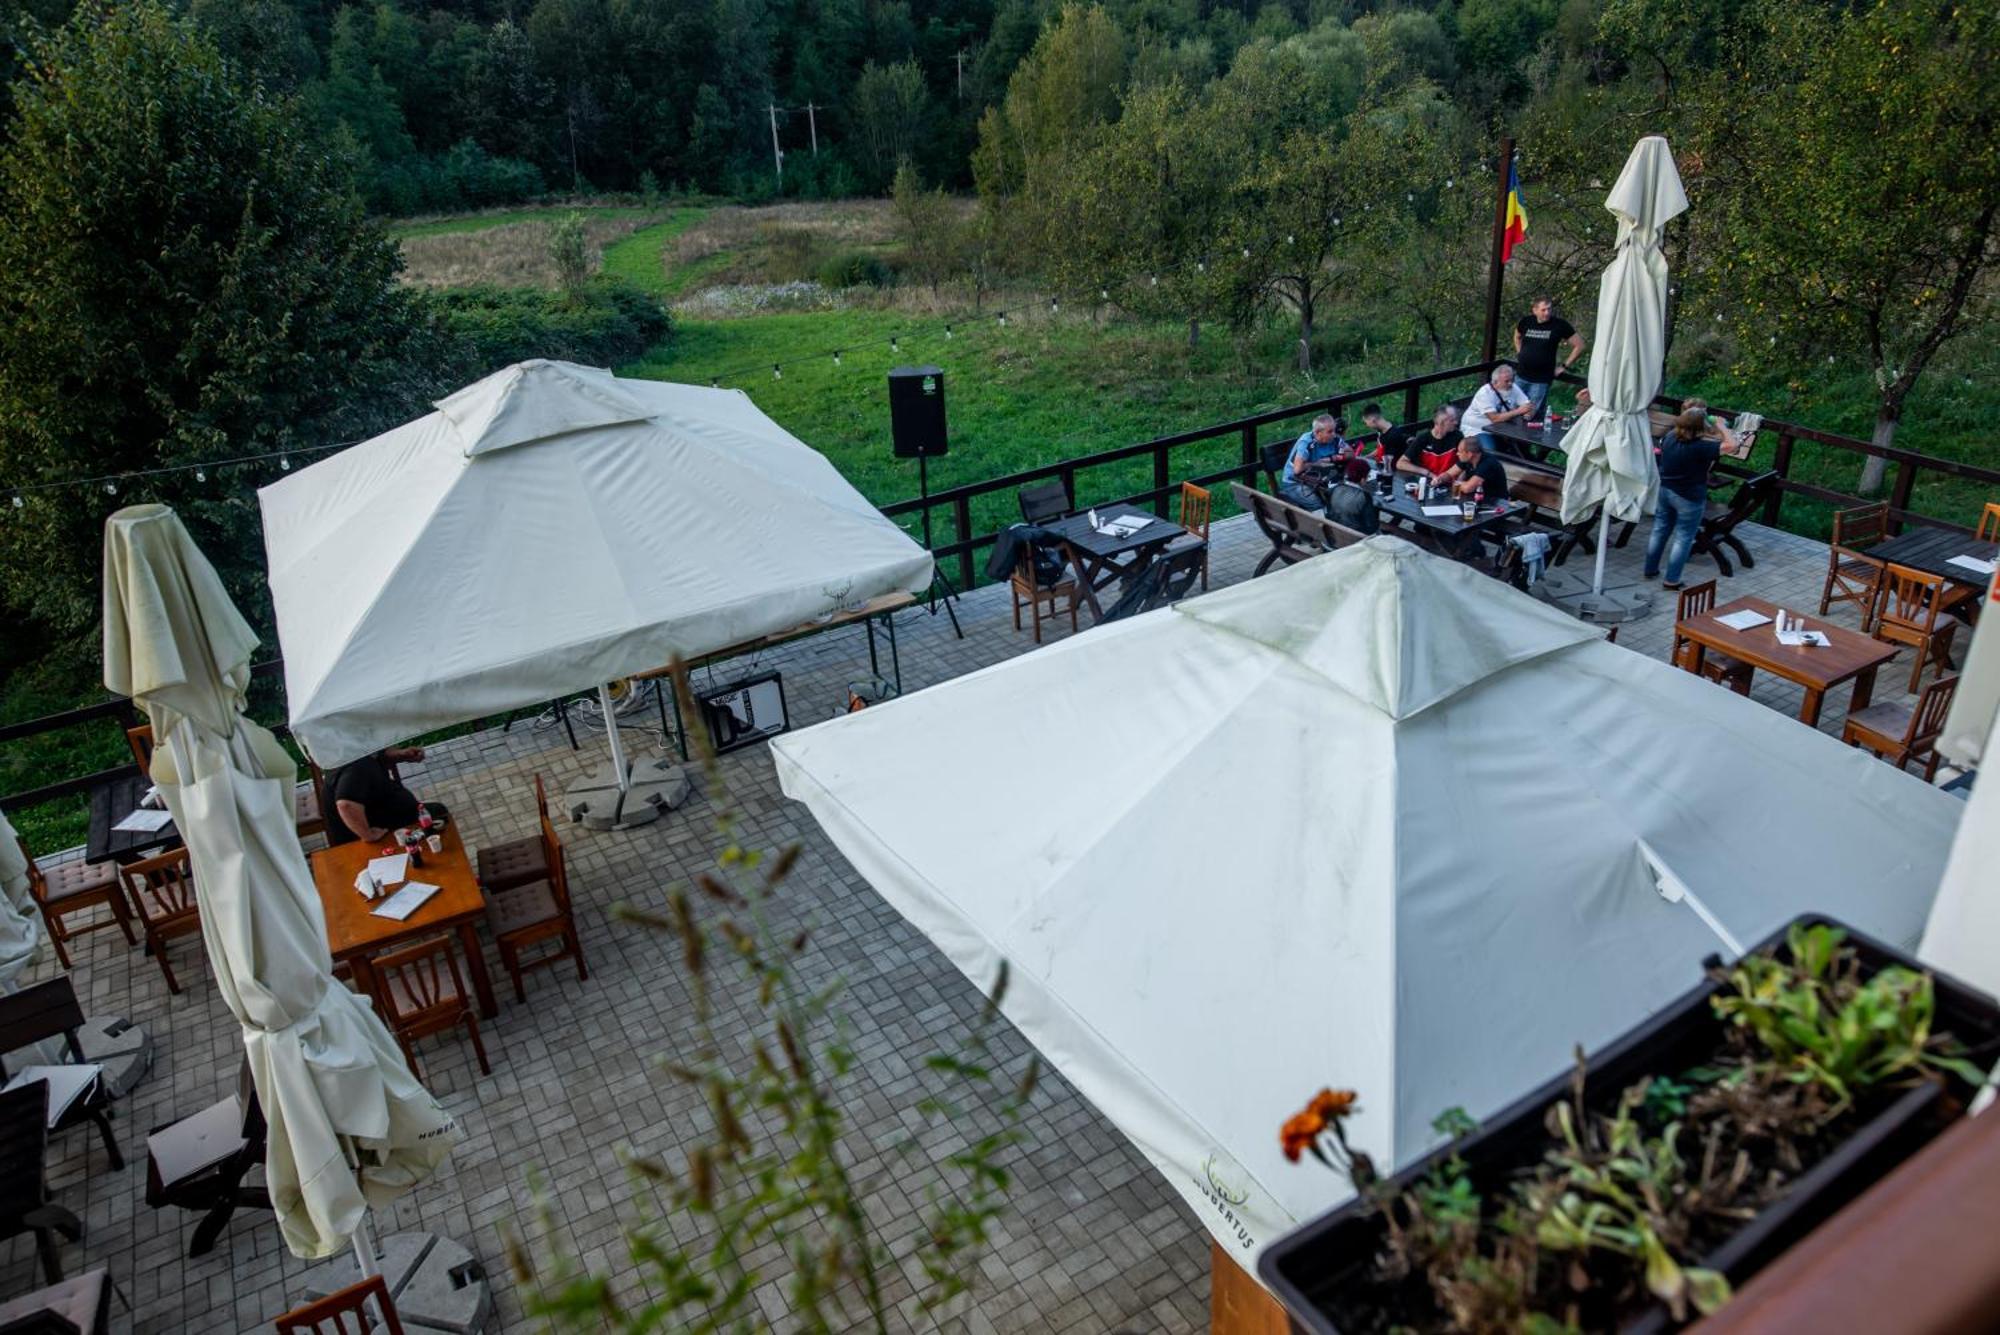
[[638, 258], [479, 222]]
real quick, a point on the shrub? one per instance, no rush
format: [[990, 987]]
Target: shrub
[[570, 250], [611, 322], [854, 268]]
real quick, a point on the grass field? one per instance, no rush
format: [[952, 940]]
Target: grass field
[[1041, 389]]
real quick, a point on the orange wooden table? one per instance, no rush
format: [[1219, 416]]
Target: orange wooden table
[[354, 932], [1849, 655]]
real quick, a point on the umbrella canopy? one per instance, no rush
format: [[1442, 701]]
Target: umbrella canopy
[[325, 1067], [20, 920], [548, 529], [1963, 935], [1611, 449], [1375, 821]]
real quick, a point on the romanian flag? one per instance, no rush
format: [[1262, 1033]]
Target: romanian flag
[[1517, 217]]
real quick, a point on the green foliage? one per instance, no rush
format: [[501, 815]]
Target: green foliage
[[853, 268], [890, 107], [605, 323], [183, 276], [928, 222], [571, 252]]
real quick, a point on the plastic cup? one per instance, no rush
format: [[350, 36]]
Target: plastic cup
[[435, 843]]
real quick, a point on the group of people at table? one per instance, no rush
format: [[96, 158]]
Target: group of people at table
[[1458, 450]]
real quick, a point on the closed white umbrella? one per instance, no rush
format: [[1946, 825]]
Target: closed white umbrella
[[350, 1127], [1963, 936], [1610, 450], [20, 921]]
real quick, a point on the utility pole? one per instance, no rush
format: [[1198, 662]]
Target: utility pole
[[777, 154], [960, 58], [812, 123]]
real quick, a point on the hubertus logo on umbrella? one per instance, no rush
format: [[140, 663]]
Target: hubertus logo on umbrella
[[1225, 1187]]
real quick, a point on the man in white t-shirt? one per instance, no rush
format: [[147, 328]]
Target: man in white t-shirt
[[1499, 400]]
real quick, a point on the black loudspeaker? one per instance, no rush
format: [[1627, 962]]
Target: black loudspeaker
[[916, 411]]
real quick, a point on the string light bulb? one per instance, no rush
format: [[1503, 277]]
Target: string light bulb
[[201, 475], [713, 383], [1290, 239], [1201, 266], [777, 371], [947, 332], [894, 346], [1246, 252], [1104, 294], [19, 500], [284, 463], [836, 356], [1447, 183], [1003, 319], [1055, 307], [110, 487], [1152, 280]]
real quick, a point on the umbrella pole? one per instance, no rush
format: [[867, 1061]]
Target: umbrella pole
[[1603, 543], [617, 744]]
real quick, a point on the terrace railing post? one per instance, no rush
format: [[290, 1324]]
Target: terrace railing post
[[1250, 455], [1160, 482], [1068, 476], [1781, 463], [1413, 406], [1899, 495], [961, 515]]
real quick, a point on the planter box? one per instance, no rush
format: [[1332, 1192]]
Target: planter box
[[1317, 1260]]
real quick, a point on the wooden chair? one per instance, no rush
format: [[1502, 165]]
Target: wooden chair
[[1027, 588], [76, 887], [1281, 523], [48, 1010], [25, 1206], [140, 739], [1909, 614], [1695, 600], [1853, 576], [1273, 457], [1042, 501], [421, 993], [366, 1303], [517, 861], [1719, 522], [1899, 734], [199, 1162], [527, 915], [162, 890], [1196, 505], [1989, 523]]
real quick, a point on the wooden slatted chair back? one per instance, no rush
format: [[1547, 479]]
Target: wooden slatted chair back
[[1927, 720], [162, 888], [1196, 506], [140, 739], [358, 1309], [1859, 527], [1989, 523], [1910, 601]]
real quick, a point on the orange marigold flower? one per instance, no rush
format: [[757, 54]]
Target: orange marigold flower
[[1333, 1103], [1299, 1132]]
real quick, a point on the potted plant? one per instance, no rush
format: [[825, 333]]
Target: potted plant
[[1633, 1192]]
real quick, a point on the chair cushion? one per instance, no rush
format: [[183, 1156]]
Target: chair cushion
[[1888, 719], [404, 1001], [69, 879], [513, 863], [80, 1300], [522, 907], [305, 803]]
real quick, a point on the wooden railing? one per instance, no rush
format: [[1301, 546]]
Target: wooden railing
[[957, 502]]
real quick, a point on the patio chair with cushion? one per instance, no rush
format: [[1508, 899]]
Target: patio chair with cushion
[[199, 1162], [421, 993], [1909, 614], [162, 890], [366, 1303], [1196, 506], [80, 1305], [1900, 734], [517, 861], [49, 1010], [25, 1206], [1720, 520], [1043, 501], [526, 915], [1853, 576], [68, 888], [1723, 669]]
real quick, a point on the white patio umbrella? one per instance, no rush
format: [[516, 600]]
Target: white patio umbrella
[[1374, 821], [20, 920], [1610, 449], [350, 1127], [1963, 935]]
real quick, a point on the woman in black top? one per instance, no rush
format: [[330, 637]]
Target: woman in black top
[[1687, 452]]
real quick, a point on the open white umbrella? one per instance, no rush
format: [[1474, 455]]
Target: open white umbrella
[[1963, 935], [350, 1127], [1374, 821], [1610, 449]]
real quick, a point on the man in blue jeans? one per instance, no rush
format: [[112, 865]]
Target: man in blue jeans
[[1312, 454], [1687, 451]]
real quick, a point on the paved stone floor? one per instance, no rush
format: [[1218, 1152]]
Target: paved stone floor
[[1093, 1241]]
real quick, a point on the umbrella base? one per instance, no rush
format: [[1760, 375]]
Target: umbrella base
[[436, 1284], [122, 1048], [655, 787], [1572, 593]]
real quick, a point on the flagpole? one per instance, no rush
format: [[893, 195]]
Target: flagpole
[[1498, 267]]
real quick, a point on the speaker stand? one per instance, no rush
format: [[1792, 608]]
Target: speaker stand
[[945, 594]]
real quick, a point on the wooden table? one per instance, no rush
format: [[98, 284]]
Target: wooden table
[[354, 932], [1535, 442], [111, 802], [1099, 559], [1849, 655], [1446, 529], [1931, 549]]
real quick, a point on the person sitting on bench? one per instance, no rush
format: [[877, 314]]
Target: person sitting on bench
[[1312, 453], [1348, 503]]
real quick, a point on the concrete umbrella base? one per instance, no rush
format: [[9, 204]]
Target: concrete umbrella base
[[437, 1285], [655, 787]]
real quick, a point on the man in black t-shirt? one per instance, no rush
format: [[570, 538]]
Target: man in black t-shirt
[[366, 801], [1476, 472], [1403, 447], [1537, 336]]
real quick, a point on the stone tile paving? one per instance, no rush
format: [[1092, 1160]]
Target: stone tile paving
[[1094, 1241]]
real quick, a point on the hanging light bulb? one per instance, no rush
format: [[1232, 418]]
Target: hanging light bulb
[[777, 371], [1054, 306], [1152, 280], [20, 500], [947, 331], [1447, 183], [1201, 266], [894, 346], [1104, 294], [1410, 197], [1246, 252], [110, 487], [1291, 240], [1336, 222], [1003, 319], [284, 463], [713, 383], [836, 356], [201, 475]]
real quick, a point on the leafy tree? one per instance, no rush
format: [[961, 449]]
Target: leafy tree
[[570, 249], [890, 108], [1068, 85], [182, 277], [928, 222]]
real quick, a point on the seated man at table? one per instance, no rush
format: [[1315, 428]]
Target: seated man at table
[[1404, 447], [1476, 473], [1498, 400], [1312, 454], [366, 801], [1348, 502]]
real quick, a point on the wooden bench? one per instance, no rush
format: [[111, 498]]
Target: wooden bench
[[1295, 533]]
